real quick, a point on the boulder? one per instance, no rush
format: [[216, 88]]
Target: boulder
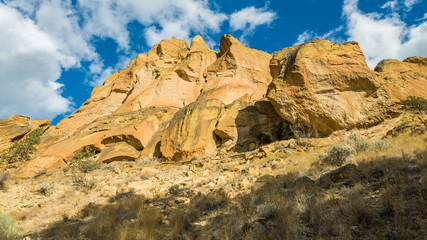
[[18, 120], [403, 79], [12, 129], [39, 165], [39, 123], [240, 73], [249, 125], [191, 131], [120, 151], [193, 67], [327, 86]]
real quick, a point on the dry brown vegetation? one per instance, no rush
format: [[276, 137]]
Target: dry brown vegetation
[[378, 196]]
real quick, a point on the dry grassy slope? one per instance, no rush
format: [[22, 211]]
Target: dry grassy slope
[[234, 175]]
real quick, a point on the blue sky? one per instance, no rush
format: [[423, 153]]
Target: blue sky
[[52, 52]]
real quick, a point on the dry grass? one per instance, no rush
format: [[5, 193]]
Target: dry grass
[[378, 198]]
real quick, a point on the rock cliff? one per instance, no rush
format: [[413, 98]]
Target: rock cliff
[[181, 102]]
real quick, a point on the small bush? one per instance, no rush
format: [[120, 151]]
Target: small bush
[[267, 211], [83, 161], [80, 180], [8, 230], [3, 178], [22, 150], [381, 144], [414, 104], [174, 189], [358, 143], [46, 187], [338, 155]]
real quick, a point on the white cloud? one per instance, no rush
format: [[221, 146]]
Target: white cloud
[[41, 38], [384, 36], [162, 19], [249, 18], [30, 64], [310, 35], [410, 3], [393, 5]]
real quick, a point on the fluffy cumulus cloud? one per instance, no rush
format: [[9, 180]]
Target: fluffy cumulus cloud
[[309, 35], [42, 38], [30, 63], [384, 36], [249, 18], [380, 36], [396, 5]]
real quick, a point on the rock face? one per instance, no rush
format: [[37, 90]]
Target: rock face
[[11, 129], [120, 151], [135, 129], [246, 126], [190, 132], [16, 127], [327, 86], [180, 102], [403, 79], [240, 73]]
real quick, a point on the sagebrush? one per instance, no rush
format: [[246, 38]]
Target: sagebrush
[[23, 149], [83, 161]]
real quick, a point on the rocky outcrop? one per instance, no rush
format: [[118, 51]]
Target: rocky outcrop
[[120, 151], [403, 79], [18, 120], [327, 86], [135, 129], [246, 126], [240, 73], [180, 102], [12, 129], [190, 133], [16, 128]]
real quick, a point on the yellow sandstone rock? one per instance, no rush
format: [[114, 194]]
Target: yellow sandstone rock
[[403, 79], [327, 86]]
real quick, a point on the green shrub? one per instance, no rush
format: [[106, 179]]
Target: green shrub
[[83, 161], [3, 178], [174, 189], [8, 230], [415, 104], [22, 150], [267, 211], [46, 187], [358, 143], [381, 144], [80, 180], [337, 155]]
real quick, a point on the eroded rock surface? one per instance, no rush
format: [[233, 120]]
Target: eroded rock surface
[[403, 79], [327, 86], [181, 102], [240, 73], [190, 133]]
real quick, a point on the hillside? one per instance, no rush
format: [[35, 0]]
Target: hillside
[[189, 143]]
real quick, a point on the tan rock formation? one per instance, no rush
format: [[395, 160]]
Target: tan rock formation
[[39, 123], [120, 151], [327, 86], [402, 79], [11, 129], [240, 73], [134, 129], [249, 125], [190, 132], [18, 120], [168, 77]]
